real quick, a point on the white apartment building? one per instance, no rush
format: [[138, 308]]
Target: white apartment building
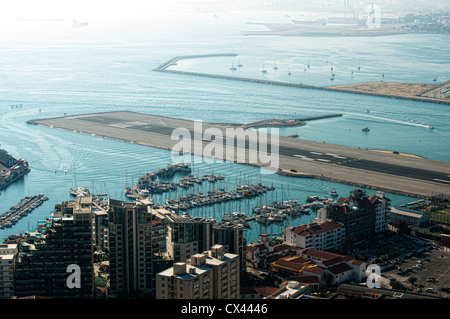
[[382, 209], [184, 281], [210, 275], [7, 256], [324, 235]]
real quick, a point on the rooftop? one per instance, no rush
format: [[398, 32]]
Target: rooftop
[[290, 290], [316, 228]]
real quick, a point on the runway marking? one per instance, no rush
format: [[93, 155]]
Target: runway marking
[[441, 180], [335, 155], [316, 153], [304, 157], [120, 125], [323, 160], [163, 122]]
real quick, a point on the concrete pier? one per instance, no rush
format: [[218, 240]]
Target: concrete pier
[[387, 171], [350, 88]]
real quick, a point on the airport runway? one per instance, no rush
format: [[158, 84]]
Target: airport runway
[[403, 174]]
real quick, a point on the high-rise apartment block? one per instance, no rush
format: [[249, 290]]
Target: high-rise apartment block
[[59, 249], [361, 215], [7, 255], [130, 249]]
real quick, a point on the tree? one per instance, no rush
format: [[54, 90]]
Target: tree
[[394, 283], [412, 280]]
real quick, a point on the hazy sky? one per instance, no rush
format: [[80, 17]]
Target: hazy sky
[[114, 8]]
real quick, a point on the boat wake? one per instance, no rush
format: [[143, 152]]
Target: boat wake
[[392, 120]]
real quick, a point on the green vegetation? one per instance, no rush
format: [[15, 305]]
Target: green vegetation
[[395, 284], [438, 208], [100, 281], [412, 280]]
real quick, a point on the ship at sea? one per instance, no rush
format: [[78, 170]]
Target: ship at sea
[[78, 24]]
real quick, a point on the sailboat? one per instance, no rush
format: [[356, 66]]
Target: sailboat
[[263, 69], [239, 64], [232, 67]]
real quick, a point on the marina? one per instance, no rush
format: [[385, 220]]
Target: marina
[[216, 196], [22, 209], [147, 185]]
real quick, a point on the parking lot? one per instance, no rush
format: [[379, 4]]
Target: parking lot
[[431, 268]]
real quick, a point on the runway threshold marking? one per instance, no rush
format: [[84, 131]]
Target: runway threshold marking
[[304, 157], [335, 155]]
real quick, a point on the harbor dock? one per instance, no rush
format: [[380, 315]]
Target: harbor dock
[[22, 209]]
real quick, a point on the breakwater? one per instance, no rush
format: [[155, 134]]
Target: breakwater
[[287, 122], [164, 67]]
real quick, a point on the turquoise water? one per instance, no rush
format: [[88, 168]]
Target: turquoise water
[[107, 67]]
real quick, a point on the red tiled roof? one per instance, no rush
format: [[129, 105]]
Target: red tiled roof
[[251, 248], [321, 254], [261, 246], [315, 270], [282, 247], [294, 262], [305, 279], [316, 228], [357, 262], [348, 258], [262, 291], [255, 247], [332, 261], [339, 268]]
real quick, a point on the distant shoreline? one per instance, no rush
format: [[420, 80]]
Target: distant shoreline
[[334, 30]]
